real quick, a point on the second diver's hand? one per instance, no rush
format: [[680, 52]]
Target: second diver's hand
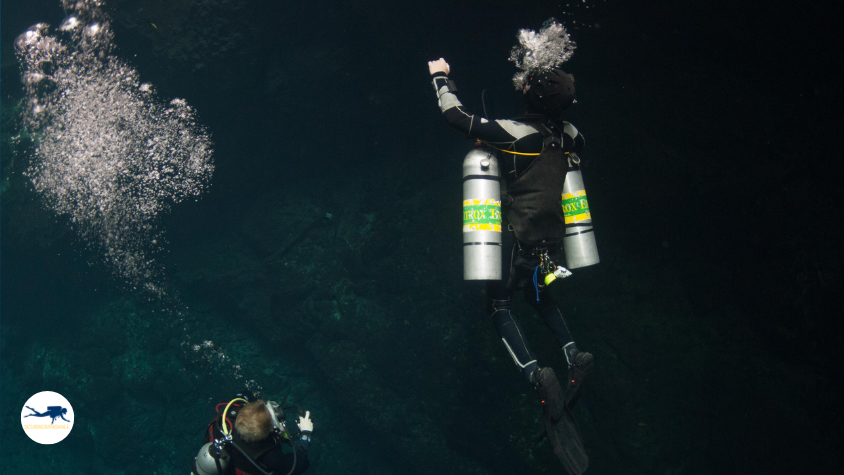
[[438, 66]]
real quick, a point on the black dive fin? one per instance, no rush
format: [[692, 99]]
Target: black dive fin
[[560, 425], [567, 444]]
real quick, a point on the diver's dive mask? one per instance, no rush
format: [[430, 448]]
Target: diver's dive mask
[[277, 416]]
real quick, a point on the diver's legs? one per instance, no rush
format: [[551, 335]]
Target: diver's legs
[[499, 308], [509, 329], [580, 363], [552, 316]]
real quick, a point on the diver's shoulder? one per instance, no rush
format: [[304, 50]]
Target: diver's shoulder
[[569, 129], [517, 128]]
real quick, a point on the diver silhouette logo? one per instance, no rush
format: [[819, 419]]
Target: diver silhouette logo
[[52, 411], [47, 404]]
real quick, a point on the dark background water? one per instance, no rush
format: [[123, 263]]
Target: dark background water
[[714, 316]]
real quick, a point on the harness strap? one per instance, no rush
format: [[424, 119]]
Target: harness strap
[[506, 151]]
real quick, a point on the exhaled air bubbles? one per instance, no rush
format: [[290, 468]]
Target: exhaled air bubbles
[[70, 23], [538, 51], [110, 154]]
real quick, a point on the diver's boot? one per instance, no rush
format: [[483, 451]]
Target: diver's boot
[[580, 366], [550, 393]]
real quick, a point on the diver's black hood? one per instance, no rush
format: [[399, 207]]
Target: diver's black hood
[[551, 92]]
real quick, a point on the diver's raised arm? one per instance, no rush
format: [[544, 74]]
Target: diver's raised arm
[[455, 114], [445, 88]]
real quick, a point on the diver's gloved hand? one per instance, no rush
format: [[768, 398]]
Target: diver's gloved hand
[[438, 66], [306, 426]]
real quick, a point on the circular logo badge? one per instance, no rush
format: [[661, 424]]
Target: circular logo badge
[[47, 417]]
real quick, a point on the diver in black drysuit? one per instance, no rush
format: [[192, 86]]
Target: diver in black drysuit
[[254, 457], [531, 189]]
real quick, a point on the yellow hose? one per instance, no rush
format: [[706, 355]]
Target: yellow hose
[[226, 431], [508, 151]]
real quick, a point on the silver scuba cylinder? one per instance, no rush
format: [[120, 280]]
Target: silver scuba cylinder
[[481, 216], [581, 248], [206, 460]]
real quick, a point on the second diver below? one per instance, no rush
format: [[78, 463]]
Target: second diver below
[[247, 439], [533, 166]]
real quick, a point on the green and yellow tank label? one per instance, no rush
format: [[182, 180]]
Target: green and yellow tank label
[[575, 207], [481, 215]]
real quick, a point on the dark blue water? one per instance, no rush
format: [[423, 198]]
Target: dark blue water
[[713, 316]]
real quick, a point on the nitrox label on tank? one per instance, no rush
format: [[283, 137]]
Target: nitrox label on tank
[[575, 207], [481, 215]]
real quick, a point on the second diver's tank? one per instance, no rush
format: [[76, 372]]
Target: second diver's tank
[[481, 216], [581, 248]]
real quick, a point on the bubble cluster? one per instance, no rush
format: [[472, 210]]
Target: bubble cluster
[[200, 354], [214, 359], [109, 152], [538, 51]]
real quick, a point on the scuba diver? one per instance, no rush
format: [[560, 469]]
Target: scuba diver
[[53, 412], [535, 151], [247, 438]]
